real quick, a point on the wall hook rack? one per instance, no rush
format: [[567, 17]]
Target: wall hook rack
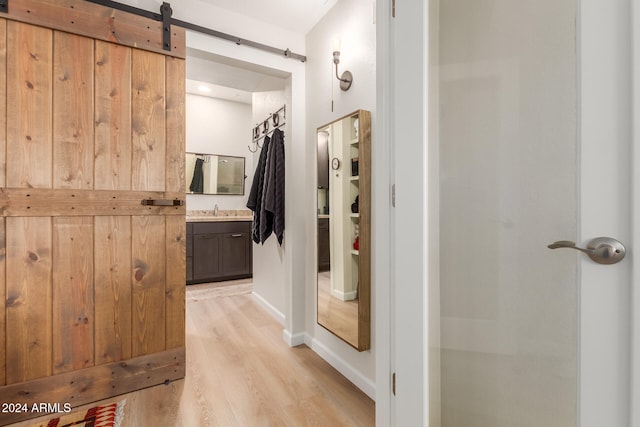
[[263, 129]]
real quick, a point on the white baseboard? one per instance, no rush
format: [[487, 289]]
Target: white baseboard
[[271, 309], [293, 340], [344, 296], [363, 383]]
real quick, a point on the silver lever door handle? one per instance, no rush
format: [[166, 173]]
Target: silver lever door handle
[[603, 250]]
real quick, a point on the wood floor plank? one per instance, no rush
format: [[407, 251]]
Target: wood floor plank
[[241, 373]]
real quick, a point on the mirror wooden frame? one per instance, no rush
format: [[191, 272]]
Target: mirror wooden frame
[[348, 166]]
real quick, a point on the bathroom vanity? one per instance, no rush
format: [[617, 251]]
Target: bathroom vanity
[[218, 248]]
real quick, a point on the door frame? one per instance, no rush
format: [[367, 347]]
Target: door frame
[[635, 307], [604, 110], [402, 37], [292, 260]]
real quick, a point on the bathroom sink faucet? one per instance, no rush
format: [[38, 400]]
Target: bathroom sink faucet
[[215, 210]]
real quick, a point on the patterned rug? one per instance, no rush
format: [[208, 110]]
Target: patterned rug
[[100, 416]]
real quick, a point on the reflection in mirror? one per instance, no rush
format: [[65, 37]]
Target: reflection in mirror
[[344, 222], [214, 174]]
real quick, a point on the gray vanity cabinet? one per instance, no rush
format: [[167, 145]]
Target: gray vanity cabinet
[[206, 256], [189, 252], [324, 245], [221, 251]]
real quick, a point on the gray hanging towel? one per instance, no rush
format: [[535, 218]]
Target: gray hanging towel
[[273, 197], [197, 182], [254, 202]]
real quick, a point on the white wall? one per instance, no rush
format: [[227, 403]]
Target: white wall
[[352, 21], [217, 126], [269, 267]]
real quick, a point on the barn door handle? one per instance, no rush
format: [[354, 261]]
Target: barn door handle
[[162, 202]]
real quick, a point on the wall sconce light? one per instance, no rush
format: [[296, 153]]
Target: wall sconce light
[[347, 78]]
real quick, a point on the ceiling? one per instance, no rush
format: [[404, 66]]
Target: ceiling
[[229, 79], [298, 16], [235, 81]]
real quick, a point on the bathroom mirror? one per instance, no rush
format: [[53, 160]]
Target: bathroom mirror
[[344, 228], [214, 174]]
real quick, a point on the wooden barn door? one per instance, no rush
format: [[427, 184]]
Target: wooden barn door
[[92, 280]]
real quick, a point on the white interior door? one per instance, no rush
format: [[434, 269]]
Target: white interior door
[[527, 140]]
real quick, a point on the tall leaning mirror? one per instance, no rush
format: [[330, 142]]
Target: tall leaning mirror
[[344, 228]]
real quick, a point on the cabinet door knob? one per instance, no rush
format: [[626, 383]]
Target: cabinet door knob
[[236, 235]]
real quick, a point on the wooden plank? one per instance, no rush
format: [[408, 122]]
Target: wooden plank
[[175, 124], [112, 117], [46, 202], [148, 293], [175, 181], [112, 267], [3, 299], [95, 383], [29, 309], [3, 173], [73, 293], [3, 100], [364, 268], [148, 121], [99, 22], [72, 111], [29, 106], [176, 279]]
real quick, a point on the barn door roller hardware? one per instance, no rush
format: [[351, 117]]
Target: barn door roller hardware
[[166, 12], [161, 202], [165, 16], [4, 6]]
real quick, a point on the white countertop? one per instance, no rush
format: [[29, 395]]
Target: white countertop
[[219, 215]]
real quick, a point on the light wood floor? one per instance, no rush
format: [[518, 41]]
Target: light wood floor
[[241, 373], [340, 317]]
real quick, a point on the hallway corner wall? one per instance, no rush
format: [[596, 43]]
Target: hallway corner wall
[[352, 21], [269, 269]]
